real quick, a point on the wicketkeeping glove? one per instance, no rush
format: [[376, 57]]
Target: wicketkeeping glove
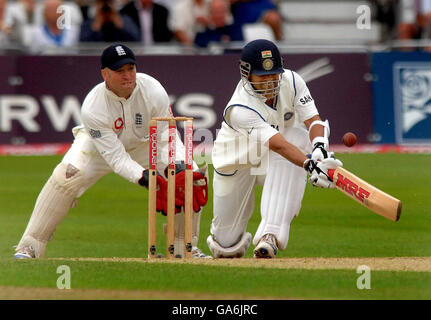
[[200, 187], [162, 192], [318, 171]]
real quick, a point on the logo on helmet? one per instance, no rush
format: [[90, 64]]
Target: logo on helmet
[[266, 54], [267, 64]]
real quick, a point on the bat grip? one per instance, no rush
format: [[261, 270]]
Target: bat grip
[[331, 174], [330, 171]]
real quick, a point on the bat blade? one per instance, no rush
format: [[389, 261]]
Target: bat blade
[[366, 194]]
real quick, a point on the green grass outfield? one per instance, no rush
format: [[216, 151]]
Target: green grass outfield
[[110, 221]]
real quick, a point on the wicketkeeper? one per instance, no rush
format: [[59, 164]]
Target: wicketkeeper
[[268, 126], [113, 137]]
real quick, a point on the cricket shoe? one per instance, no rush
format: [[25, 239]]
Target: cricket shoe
[[25, 253], [267, 247], [198, 254]]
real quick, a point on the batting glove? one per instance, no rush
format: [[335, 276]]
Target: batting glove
[[320, 152], [318, 171]]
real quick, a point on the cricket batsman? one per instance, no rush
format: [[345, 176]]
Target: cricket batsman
[[269, 125], [113, 137]]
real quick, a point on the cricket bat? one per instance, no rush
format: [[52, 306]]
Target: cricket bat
[[366, 194]]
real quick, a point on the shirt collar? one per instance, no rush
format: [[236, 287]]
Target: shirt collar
[[56, 38]]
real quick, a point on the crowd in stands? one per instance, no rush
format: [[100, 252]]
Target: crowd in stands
[[404, 19], [415, 19], [38, 24]]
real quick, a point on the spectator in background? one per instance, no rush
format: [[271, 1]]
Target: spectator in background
[[253, 11], [19, 16], [426, 19], [151, 19], [408, 20], [109, 25], [55, 32], [385, 12], [166, 3], [29, 11], [414, 21], [84, 7], [4, 27], [187, 18], [23, 15], [220, 25]]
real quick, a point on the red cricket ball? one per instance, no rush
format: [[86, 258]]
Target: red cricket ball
[[349, 139]]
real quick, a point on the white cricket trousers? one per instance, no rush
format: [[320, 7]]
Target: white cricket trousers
[[283, 190]]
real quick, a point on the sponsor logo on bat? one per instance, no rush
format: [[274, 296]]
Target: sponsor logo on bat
[[352, 188]]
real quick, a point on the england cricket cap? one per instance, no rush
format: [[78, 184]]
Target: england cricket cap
[[263, 57], [116, 56]]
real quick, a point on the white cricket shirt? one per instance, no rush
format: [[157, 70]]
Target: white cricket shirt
[[249, 123], [118, 125]]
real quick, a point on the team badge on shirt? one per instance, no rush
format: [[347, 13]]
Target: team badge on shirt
[[118, 124], [288, 116], [138, 120]]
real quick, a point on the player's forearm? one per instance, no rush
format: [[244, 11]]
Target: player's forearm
[[317, 130], [278, 144], [120, 162], [113, 152]]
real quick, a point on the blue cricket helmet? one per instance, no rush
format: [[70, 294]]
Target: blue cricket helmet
[[260, 57]]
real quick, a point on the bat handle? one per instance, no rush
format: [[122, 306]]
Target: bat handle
[[331, 174], [330, 171]]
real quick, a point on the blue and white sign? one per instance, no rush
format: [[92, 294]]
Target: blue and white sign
[[412, 102], [402, 97]]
